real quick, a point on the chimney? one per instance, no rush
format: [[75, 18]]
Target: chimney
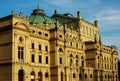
[[96, 23], [79, 15]]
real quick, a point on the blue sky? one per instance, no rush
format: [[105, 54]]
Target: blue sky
[[107, 12]]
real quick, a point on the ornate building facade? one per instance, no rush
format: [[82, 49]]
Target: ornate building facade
[[57, 48]]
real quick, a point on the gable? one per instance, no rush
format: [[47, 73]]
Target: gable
[[22, 25]]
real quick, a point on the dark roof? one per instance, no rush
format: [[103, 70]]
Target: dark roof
[[66, 15], [89, 42]]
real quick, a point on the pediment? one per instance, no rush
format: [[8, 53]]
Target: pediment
[[22, 25]]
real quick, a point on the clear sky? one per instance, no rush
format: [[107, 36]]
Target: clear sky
[[107, 12]]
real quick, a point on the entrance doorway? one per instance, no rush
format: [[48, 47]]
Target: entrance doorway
[[40, 76], [21, 75], [32, 76]]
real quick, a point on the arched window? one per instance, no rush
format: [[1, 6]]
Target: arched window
[[21, 75], [82, 57], [90, 75], [77, 56], [39, 76], [46, 75], [80, 75], [32, 76], [60, 50], [85, 75], [77, 60], [105, 76], [74, 76], [116, 78]]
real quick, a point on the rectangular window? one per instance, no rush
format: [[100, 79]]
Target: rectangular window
[[90, 31], [83, 29], [82, 63], [33, 58], [98, 65], [40, 59], [76, 45], [60, 60], [86, 30], [93, 32], [46, 60], [32, 45], [90, 75], [70, 43], [74, 75], [115, 66], [76, 62], [20, 52], [71, 61], [46, 48], [105, 66], [40, 47]]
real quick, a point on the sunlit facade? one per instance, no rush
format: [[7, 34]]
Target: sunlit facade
[[57, 48]]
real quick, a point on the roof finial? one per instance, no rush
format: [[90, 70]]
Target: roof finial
[[38, 6], [12, 10], [55, 12]]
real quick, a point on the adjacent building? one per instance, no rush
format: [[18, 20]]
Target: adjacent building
[[57, 48], [119, 69]]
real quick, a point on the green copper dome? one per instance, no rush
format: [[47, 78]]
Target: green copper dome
[[41, 19], [38, 16]]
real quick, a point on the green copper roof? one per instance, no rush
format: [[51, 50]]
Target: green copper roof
[[41, 19], [38, 16]]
